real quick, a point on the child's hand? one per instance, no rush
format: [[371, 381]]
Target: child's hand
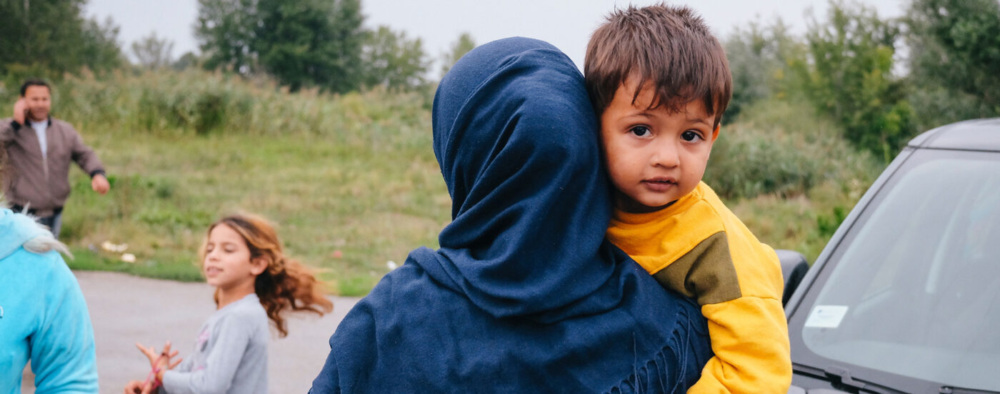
[[137, 387], [161, 361], [158, 363]]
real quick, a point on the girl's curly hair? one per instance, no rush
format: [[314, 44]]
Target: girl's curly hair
[[285, 284]]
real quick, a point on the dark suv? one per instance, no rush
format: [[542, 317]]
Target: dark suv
[[906, 296]]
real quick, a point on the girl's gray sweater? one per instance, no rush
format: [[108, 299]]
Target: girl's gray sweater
[[230, 355]]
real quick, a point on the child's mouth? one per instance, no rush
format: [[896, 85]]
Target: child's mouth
[[659, 184]]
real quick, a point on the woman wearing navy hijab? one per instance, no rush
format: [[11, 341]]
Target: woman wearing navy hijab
[[524, 294]]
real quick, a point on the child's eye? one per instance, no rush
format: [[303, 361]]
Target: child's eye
[[640, 131], [690, 136]]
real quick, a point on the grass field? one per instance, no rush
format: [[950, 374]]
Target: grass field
[[325, 197], [351, 180]]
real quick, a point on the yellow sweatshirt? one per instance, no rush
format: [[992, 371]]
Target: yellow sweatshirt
[[699, 248]]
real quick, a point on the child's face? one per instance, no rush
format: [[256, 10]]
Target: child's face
[[227, 262], [654, 156]]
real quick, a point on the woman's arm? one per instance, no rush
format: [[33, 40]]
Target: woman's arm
[[62, 350]]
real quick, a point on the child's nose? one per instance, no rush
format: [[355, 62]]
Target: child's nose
[[666, 155]]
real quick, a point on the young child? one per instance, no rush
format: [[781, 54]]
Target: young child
[[243, 259], [660, 82]]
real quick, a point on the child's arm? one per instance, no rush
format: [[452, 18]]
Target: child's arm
[[749, 333], [739, 290], [750, 341]]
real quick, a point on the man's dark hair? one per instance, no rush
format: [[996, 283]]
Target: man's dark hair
[[670, 48], [34, 82]]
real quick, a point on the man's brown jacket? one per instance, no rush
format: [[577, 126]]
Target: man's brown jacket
[[42, 184]]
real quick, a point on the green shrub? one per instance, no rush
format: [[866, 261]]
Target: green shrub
[[781, 148], [745, 164], [200, 102], [789, 175], [826, 225]]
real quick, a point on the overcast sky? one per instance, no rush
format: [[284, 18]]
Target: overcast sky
[[566, 24]]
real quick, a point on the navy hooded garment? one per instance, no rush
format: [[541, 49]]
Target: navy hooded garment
[[524, 294]]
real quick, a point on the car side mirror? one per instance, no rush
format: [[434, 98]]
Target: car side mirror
[[793, 267]]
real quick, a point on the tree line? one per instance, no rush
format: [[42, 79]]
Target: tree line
[[883, 80], [319, 44], [51, 37]]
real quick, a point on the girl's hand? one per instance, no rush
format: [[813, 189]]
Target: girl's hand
[[137, 387], [159, 361]]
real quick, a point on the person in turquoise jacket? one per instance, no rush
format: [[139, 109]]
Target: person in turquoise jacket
[[43, 316]]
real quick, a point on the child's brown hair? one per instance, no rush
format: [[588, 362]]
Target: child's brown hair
[[285, 284], [669, 48]]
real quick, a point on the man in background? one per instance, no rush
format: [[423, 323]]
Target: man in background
[[39, 150]]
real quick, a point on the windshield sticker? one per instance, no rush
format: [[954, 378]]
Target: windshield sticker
[[826, 316]]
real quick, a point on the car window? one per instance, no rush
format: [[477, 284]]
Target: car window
[[915, 285]]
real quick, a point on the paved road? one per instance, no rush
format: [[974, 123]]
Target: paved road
[[127, 309]]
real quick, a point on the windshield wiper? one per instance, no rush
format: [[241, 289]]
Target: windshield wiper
[[841, 379], [960, 390]]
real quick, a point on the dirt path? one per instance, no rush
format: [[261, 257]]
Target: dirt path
[[126, 309]]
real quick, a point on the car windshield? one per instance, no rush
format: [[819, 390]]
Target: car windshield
[[914, 288]]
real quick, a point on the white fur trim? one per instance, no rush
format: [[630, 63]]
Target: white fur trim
[[45, 243], [42, 243]]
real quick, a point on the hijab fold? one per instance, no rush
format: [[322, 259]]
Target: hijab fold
[[524, 294]]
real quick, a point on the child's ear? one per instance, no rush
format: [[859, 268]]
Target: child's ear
[[258, 265], [715, 134]]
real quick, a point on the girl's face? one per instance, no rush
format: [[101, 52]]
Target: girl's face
[[227, 263]]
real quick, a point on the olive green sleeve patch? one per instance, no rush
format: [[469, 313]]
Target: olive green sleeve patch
[[706, 273]]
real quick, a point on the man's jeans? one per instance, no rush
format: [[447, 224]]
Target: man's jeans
[[53, 222]]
